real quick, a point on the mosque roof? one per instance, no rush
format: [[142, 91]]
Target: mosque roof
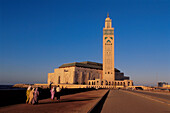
[[86, 64]]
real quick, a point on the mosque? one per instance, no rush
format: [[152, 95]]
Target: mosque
[[92, 73]]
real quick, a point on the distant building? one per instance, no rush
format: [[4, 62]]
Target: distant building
[[162, 84], [92, 73], [166, 86]]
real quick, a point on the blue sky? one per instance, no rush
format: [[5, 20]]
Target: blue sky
[[37, 36]]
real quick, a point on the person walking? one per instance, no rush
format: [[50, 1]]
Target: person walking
[[58, 90], [31, 96], [28, 93], [52, 93], [50, 85], [36, 95]]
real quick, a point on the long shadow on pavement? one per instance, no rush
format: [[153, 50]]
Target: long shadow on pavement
[[98, 107], [66, 100]]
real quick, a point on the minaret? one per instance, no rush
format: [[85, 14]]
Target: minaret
[[108, 51]]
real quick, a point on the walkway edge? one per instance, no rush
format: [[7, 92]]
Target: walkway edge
[[98, 106], [149, 97]]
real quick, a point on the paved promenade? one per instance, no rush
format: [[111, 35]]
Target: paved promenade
[[75, 103], [119, 101], [162, 97]]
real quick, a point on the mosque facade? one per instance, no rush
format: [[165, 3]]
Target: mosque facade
[[92, 73]]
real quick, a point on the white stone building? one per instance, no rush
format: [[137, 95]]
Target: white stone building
[[89, 73]]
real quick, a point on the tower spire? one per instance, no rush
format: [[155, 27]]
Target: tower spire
[[107, 14]]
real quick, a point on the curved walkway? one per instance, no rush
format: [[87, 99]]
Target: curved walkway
[[119, 101]]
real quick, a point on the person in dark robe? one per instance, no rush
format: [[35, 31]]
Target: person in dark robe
[[58, 90]]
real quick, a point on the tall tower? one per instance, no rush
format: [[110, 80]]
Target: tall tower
[[108, 51]]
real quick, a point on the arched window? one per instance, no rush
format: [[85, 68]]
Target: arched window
[[128, 83], [108, 25], [59, 80], [102, 83]]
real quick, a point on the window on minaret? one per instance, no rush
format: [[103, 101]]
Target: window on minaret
[[108, 25]]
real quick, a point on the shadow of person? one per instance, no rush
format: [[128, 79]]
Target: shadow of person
[[67, 100]]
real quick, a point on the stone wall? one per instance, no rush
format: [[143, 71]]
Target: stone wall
[[73, 75], [62, 76]]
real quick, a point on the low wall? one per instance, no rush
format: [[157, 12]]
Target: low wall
[[72, 86]]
